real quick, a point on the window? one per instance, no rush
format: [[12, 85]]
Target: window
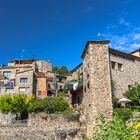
[[24, 89], [120, 67], [85, 89], [39, 92], [113, 65], [88, 85], [7, 74], [23, 80], [129, 87], [9, 90]]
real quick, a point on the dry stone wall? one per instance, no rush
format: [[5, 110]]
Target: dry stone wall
[[42, 126]]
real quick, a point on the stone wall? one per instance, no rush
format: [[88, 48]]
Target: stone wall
[[129, 74], [42, 127], [97, 96], [6, 118]]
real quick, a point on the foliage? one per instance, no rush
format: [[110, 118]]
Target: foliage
[[71, 116], [56, 105], [135, 108], [115, 130], [134, 92], [123, 113], [78, 76], [17, 104], [21, 104], [37, 105], [5, 103], [61, 70]]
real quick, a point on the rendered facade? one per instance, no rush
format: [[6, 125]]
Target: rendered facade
[[30, 76]]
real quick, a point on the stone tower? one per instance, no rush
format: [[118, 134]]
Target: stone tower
[[97, 98]]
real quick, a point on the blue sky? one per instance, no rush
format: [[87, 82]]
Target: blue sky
[[57, 30]]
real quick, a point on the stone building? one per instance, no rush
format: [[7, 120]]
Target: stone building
[[101, 68], [124, 70]]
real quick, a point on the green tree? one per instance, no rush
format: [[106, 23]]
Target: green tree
[[19, 104], [61, 70], [5, 103], [133, 93], [16, 103]]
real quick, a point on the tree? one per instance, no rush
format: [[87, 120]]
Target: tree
[[133, 93], [17, 104], [5, 103], [61, 70]]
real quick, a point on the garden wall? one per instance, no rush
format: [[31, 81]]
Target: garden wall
[[42, 126]]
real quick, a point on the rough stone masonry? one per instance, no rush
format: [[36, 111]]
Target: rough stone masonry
[[97, 98]]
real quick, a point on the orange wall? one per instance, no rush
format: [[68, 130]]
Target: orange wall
[[41, 86]]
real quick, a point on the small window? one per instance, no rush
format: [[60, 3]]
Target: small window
[[9, 90], [113, 65], [39, 92], [23, 80], [85, 89], [129, 87], [22, 89], [120, 67], [7, 74], [88, 85]]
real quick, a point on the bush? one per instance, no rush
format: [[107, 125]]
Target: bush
[[133, 93], [16, 103], [56, 105], [5, 103], [114, 130], [71, 116], [123, 113], [37, 105]]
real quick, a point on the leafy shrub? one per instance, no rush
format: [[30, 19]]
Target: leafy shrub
[[56, 105], [133, 93], [135, 108], [37, 105], [114, 130], [5, 103], [16, 103], [123, 113]]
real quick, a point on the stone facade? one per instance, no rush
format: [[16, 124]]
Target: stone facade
[[97, 97], [125, 71], [105, 72]]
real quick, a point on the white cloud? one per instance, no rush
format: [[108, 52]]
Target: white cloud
[[135, 46], [136, 36], [122, 21], [125, 42]]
